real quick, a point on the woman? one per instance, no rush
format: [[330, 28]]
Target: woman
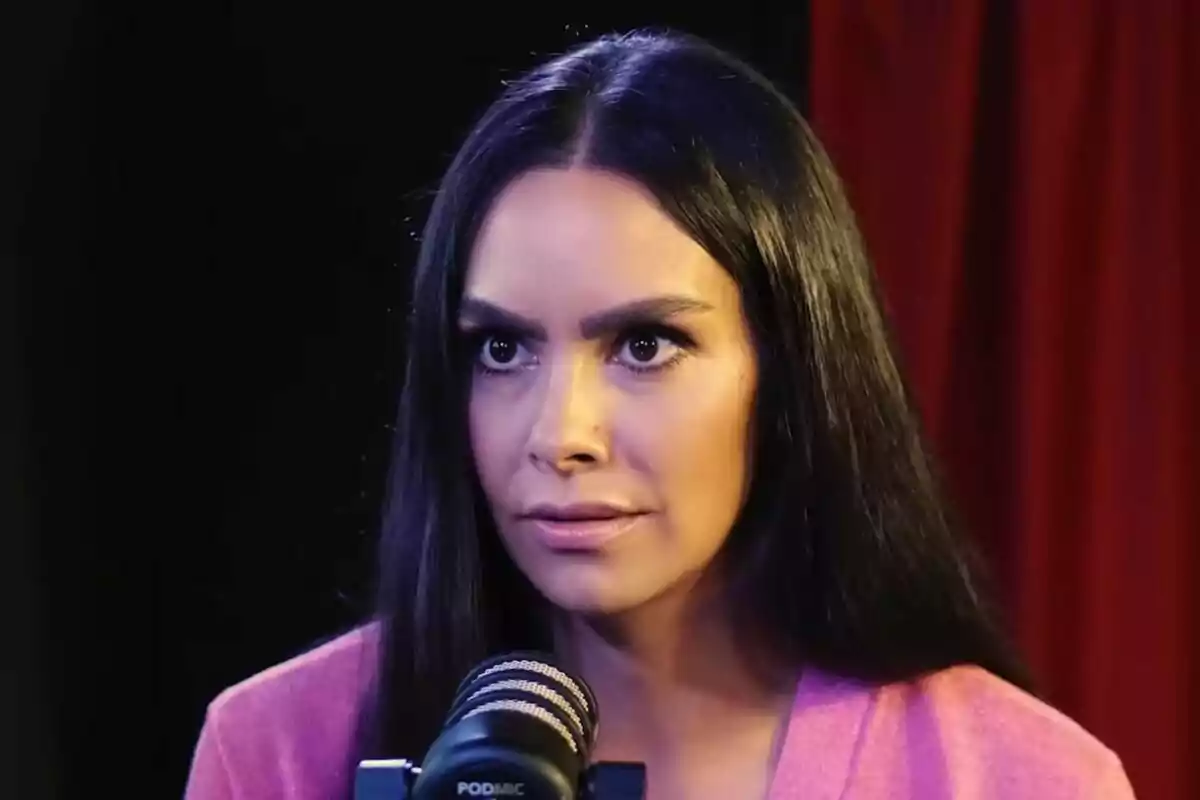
[[652, 422]]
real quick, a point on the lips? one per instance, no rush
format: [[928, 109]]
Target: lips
[[578, 512], [580, 527]]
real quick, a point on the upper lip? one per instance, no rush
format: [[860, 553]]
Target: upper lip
[[578, 511]]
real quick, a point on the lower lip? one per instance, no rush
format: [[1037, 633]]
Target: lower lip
[[582, 534]]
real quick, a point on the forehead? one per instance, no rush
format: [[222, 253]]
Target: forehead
[[566, 232]]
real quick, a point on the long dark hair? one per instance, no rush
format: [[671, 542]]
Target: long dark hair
[[844, 548]]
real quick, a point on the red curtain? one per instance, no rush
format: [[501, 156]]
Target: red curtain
[[1026, 176]]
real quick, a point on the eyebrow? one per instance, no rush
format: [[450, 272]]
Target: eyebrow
[[477, 311]]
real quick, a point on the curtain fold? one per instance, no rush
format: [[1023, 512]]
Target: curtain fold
[[1026, 178]]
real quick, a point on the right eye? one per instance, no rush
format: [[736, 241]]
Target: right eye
[[502, 353]]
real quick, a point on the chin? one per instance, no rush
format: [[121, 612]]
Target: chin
[[587, 591]]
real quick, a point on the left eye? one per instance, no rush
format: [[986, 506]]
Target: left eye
[[647, 351]]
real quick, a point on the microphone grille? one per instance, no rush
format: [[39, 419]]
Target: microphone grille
[[533, 685], [529, 687], [535, 711], [546, 670]]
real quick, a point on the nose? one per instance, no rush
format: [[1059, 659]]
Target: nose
[[568, 434]]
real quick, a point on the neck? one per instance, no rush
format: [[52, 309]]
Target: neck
[[664, 673]]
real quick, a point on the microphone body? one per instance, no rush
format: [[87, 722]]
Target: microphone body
[[519, 727], [393, 779]]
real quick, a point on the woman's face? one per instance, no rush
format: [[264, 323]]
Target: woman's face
[[612, 389]]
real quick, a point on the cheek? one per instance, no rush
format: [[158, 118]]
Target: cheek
[[696, 446], [493, 440]]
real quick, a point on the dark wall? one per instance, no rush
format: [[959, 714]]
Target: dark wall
[[215, 211]]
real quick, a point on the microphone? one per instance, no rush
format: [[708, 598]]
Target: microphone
[[519, 727]]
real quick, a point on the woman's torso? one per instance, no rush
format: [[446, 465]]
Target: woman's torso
[[961, 733]]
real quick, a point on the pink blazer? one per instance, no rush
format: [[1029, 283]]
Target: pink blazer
[[961, 733]]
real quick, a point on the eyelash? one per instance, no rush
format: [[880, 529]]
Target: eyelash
[[477, 337]]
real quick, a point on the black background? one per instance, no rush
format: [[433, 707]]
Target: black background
[[215, 207]]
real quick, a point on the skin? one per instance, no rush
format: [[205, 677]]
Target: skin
[[649, 415]]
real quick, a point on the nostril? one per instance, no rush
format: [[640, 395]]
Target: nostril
[[577, 458]]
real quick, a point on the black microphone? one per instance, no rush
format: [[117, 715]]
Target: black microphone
[[519, 727]]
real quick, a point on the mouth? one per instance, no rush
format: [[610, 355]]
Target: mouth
[[579, 512], [580, 528]]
